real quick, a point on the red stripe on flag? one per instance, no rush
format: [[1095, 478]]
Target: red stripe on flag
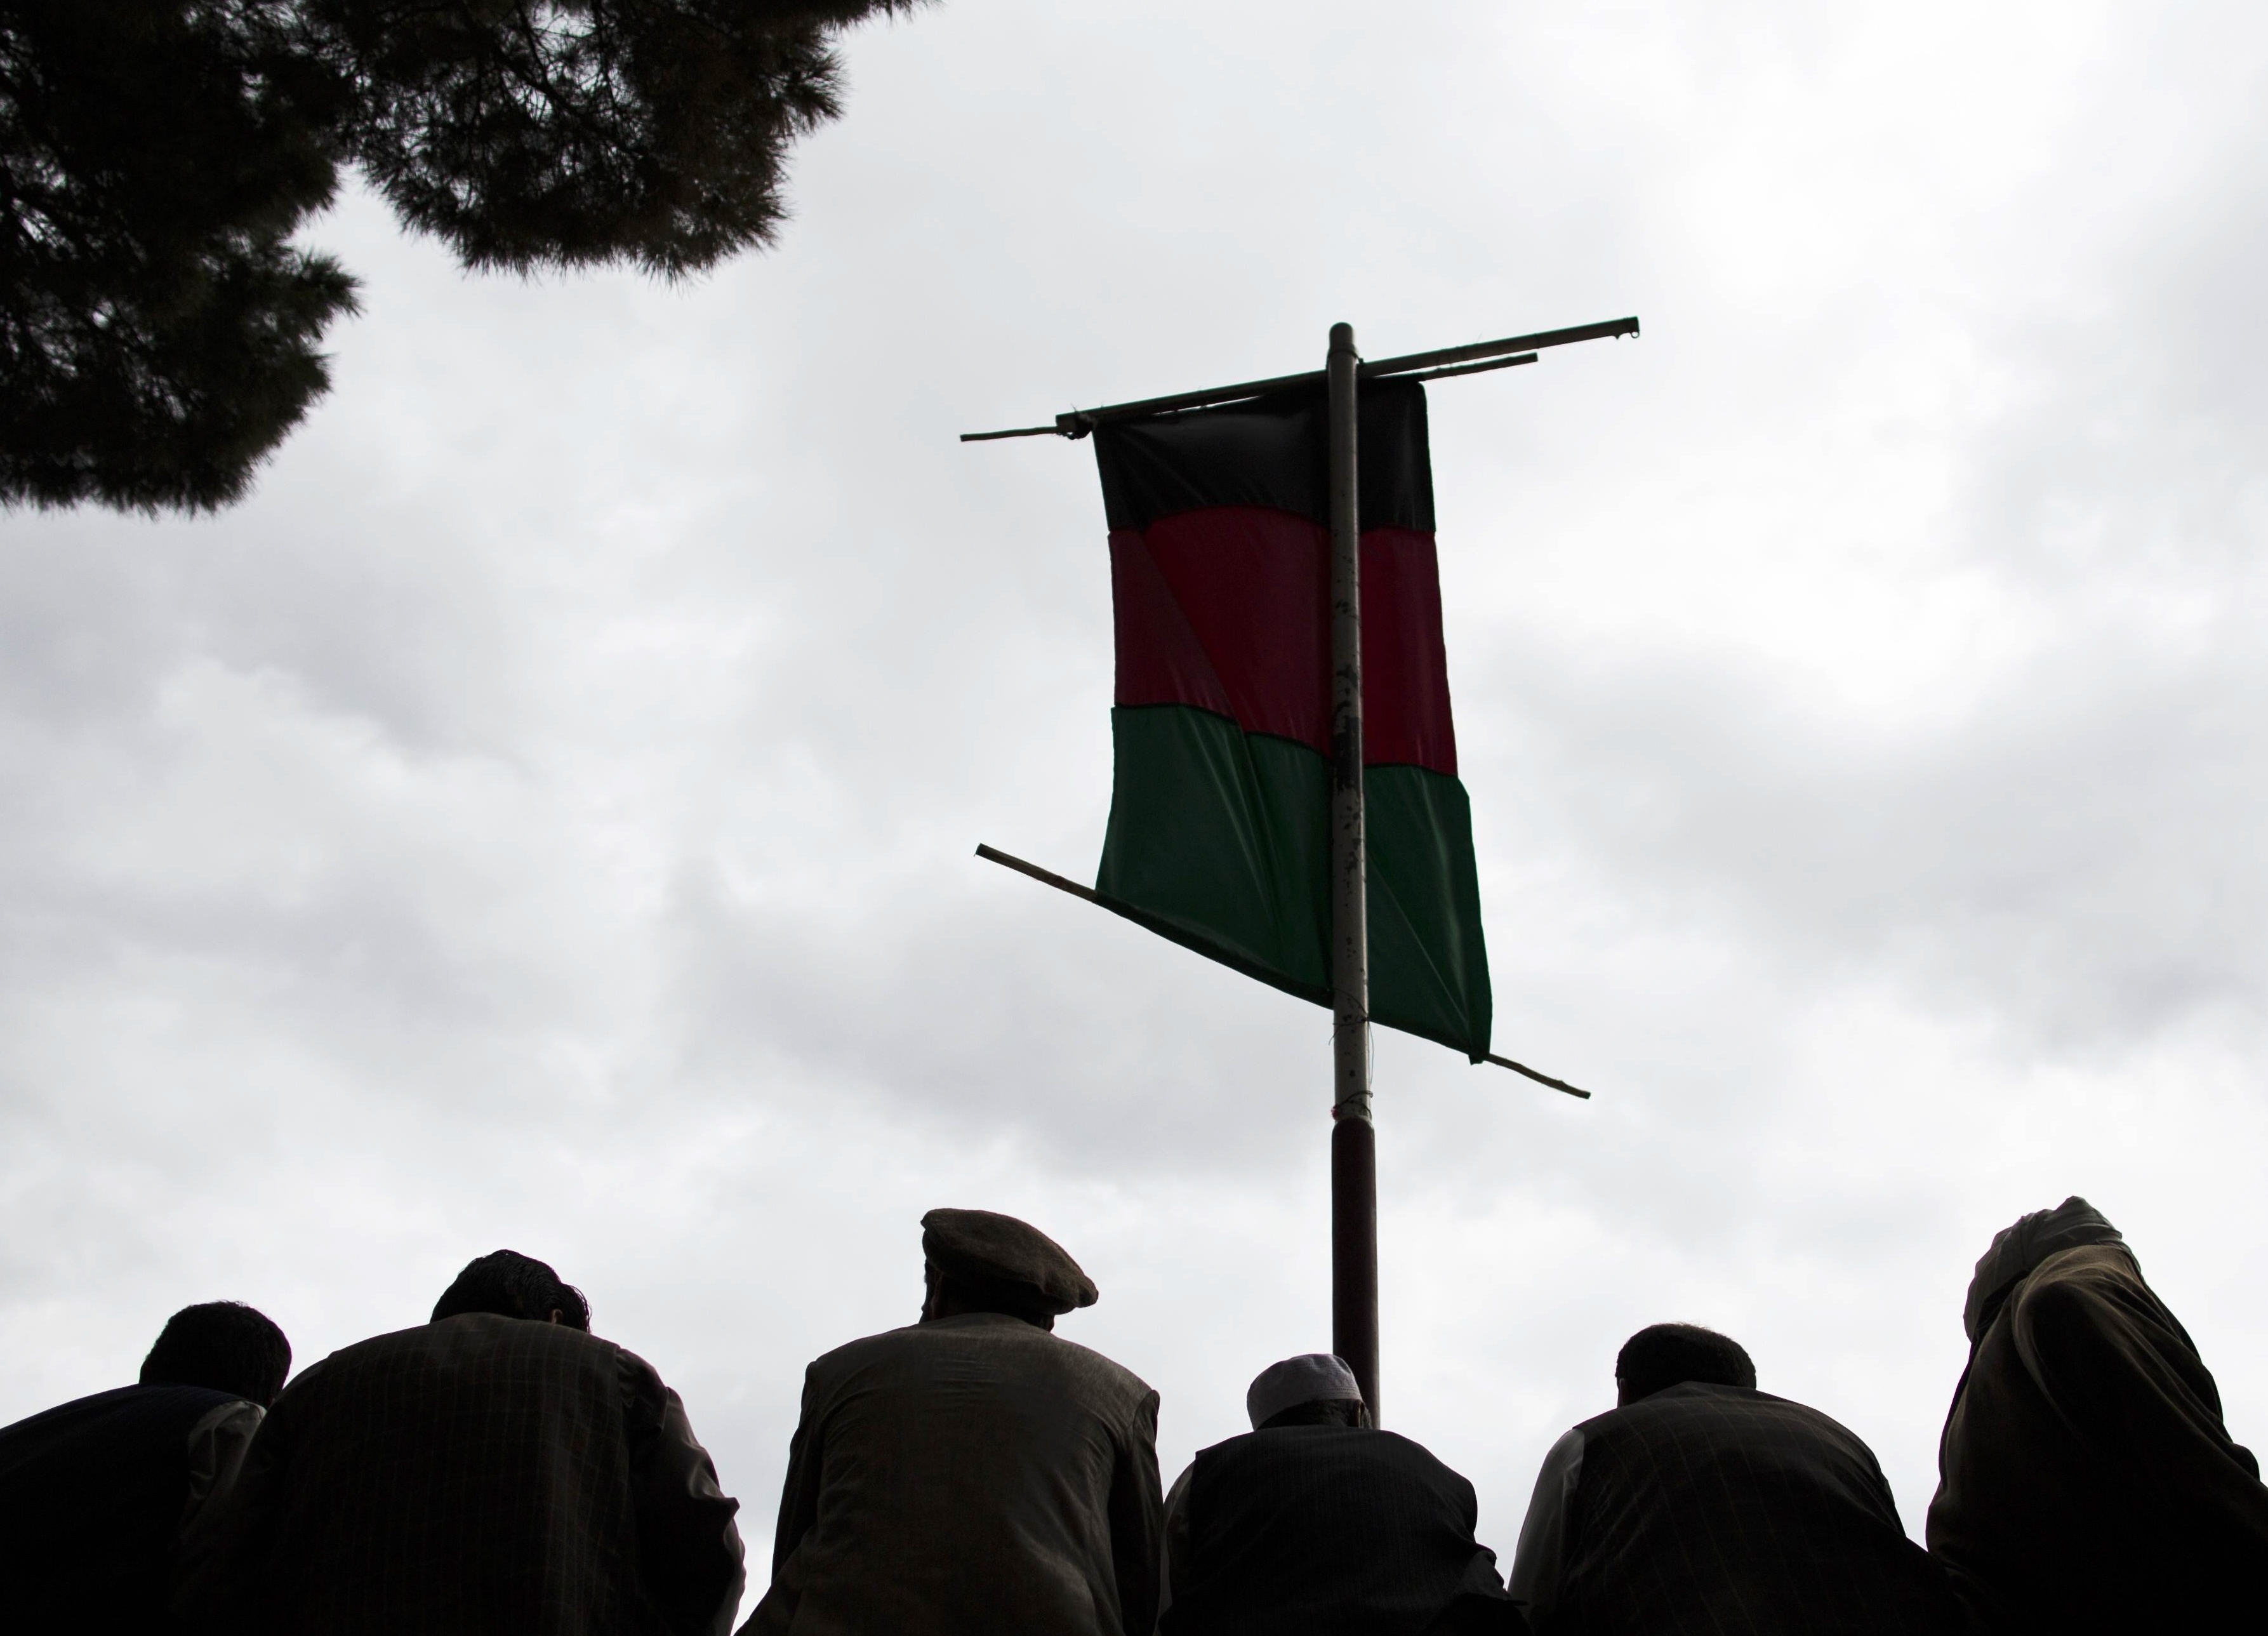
[[1161, 661], [1249, 582], [1226, 609], [1405, 669]]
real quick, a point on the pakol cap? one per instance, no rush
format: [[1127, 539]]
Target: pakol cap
[[1313, 1377], [989, 1251]]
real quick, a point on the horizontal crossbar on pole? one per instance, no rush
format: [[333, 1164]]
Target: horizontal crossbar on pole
[[1469, 369], [1541, 1079], [1045, 877], [1440, 364], [1048, 877]]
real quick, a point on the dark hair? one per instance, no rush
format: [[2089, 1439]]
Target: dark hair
[[1662, 1355], [1321, 1411], [513, 1285], [223, 1346]]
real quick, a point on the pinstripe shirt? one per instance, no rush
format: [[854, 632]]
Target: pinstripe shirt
[[482, 1475], [1715, 1510]]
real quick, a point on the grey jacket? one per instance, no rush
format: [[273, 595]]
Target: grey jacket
[[974, 1474]]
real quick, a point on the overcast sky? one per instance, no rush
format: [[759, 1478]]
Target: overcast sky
[[543, 815]]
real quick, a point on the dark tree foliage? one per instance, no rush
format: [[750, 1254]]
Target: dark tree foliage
[[159, 336], [652, 131]]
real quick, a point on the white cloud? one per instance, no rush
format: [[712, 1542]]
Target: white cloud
[[542, 815]]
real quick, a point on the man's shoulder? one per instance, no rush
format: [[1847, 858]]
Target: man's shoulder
[[2087, 1275], [506, 1365], [472, 1331], [77, 1409], [187, 1403], [883, 1350], [1699, 1410], [1376, 1471], [2090, 1302], [1698, 1402], [2117, 1262], [473, 1342], [1008, 1344], [1085, 1364], [1348, 1446]]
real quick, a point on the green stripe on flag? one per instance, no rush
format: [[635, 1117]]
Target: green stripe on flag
[[1223, 832], [1428, 965], [1220, 839]]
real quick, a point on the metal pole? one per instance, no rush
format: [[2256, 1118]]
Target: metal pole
[[1354, 1150]]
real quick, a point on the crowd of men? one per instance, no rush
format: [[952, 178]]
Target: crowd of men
[[501, 1469]]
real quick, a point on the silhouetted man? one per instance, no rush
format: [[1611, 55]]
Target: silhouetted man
[[1701, 1504], [971, 1473], [2085, 1480], [1313, 1524], [94, 1495], [497, 1469]]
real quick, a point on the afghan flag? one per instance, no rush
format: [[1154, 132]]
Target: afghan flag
[[1219, 833]]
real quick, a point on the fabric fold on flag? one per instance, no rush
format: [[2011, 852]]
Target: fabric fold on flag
[[1220, 809]]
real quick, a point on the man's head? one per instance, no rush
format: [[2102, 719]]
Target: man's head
[[981, 1262], [1314, 1389], [224, 1346], [513, 1285], [2021, 1246], [1662, 1355]]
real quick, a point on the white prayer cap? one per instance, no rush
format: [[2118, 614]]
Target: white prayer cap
[[1317, 1377]]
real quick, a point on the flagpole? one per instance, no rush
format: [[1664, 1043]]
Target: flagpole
[[1354, 1148]]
